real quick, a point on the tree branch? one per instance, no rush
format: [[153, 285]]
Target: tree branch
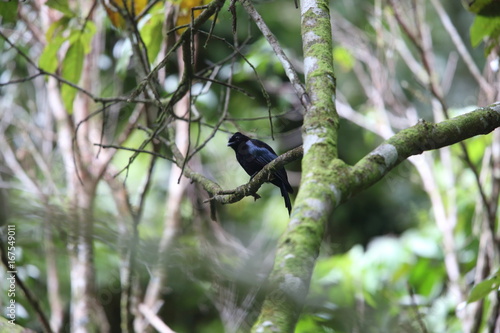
[[419, 138], [299, 246]]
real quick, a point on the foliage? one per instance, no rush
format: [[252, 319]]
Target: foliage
[[486, 25]]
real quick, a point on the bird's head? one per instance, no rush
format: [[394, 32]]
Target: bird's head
[[236, 139]]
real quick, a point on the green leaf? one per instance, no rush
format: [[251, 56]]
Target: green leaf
[[9, 12], [483, 7], [483, 27], [307, 324], [74, 36], [483, 288], [86, 36], [48, 59], [152, 35], [343, 58], [476, 147], [57, 27], [475, 6], [426, 277], [60, 5], [72, 66]]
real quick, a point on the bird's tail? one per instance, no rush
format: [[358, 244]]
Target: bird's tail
[[285, 195]]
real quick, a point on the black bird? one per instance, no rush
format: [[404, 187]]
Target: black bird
[[253, 155]]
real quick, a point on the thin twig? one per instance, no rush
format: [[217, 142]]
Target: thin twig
[[23, 80], [222, 118], [135, 151], [462, 49], [414, 306], [227, 85], [278, 50]]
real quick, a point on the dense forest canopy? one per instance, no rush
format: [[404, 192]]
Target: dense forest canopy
[[122, 208]]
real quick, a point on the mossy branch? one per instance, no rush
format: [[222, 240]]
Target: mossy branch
[[422, 137]]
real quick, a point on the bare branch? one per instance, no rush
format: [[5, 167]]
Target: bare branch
[[278, 50], [462, 49], [135, 151], [154, 320]]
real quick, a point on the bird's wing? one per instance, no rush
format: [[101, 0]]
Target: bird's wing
[[261, 152]]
